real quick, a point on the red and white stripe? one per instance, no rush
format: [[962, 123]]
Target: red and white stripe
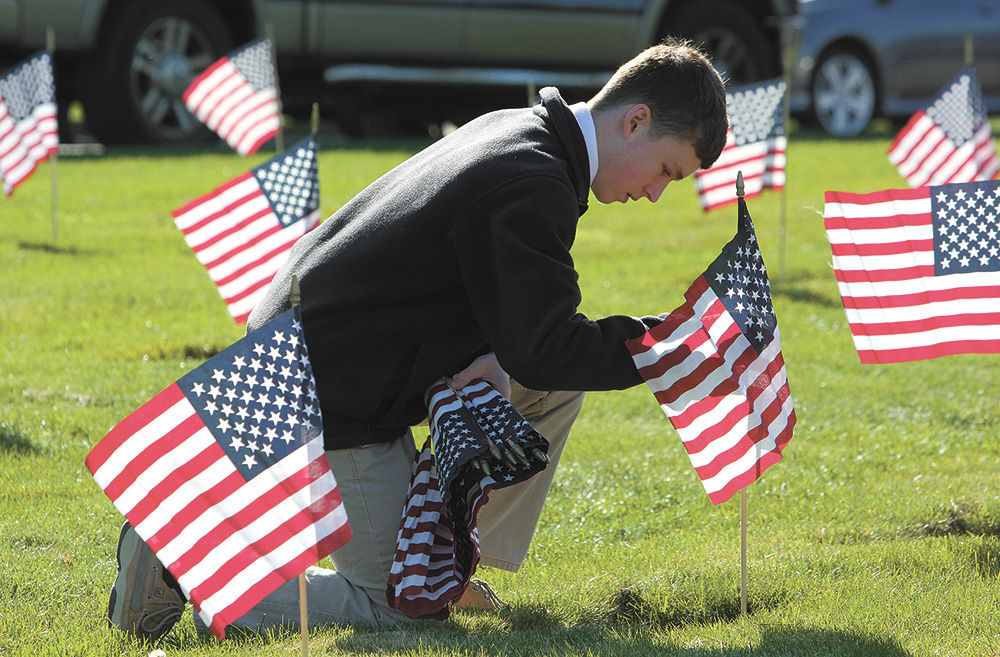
[[228, 541], [238, 238], [26, 143], [762, 164], [223, 99], [898, 310], [730, 405], [924, 154]]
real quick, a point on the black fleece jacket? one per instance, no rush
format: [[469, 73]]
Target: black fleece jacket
[[460, 250]]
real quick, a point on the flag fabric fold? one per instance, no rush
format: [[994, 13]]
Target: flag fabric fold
[[29, 130], [237, 97], [755, 145], [950, 141], [243, 230], [715, 367], [918, 269], [437, 548], [224, 475]]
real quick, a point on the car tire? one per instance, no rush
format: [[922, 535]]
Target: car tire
[[151, 52], [730, 36], [844, 92]]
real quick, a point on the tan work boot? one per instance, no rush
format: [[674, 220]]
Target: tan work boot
[[145, 599], [479, 595]]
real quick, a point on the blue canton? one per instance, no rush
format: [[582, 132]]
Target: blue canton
[[258, 397], [959, 109], [290, 182], [28, 86], [254, 62], [465, 433], [756, 112], [739, 279], [966, 221]]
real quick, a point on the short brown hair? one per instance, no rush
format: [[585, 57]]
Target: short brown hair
[[684, 92]]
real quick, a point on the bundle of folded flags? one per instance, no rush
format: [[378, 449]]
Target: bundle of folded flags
[[478, 442]]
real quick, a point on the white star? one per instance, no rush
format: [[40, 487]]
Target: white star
[[249, 461]]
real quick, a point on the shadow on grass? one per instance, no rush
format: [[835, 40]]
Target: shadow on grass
[[630, 607], [54, 248], [517, 641], [958, 519], [193, 352], [804, 295], [529, 630], [13, 442]]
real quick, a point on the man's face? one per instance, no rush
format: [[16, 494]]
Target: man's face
[[640, 166]]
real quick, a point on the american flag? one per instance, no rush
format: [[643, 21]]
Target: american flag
[[224, 474], [29, 130], [918, 269], [949, 142], [237, 97], [755, 144], [437, 548], [242, 231], [715, 366]]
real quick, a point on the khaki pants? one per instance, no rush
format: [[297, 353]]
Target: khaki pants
[[373, 481]]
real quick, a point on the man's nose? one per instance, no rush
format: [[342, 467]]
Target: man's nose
[[654, 191]]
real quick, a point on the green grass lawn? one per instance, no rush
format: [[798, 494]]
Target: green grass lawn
[[877, 534]]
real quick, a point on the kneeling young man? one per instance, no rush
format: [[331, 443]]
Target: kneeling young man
[[458, 261]]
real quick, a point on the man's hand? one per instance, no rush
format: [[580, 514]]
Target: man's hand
[[485, 367]]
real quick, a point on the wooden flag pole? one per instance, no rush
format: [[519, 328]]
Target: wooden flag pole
[[968, 50], [743, 551], [303, 616], [279, 139], [314, 120], [295, 296], [743, 491], [50, 45]]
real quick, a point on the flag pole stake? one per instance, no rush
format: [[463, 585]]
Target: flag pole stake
[[743, 491], [50, 45], [968, 50], [279, 139], [743, 551], [295, 296], [314, 119]]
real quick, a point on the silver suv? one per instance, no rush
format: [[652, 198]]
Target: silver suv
[[369, 62]]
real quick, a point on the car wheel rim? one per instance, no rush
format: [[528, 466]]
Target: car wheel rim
[[729, 54], [843, 95], [168, 55]]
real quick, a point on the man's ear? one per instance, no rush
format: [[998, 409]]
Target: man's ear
[[635, 117]]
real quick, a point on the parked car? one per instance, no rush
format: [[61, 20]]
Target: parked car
[[128, 61], [860, 59]]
